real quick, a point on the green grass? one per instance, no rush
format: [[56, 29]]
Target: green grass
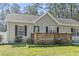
[[36, 50]]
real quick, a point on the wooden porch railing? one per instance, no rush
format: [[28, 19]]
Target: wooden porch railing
[[49, 38]]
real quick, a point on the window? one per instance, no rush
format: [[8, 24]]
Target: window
[[36, 28], [50, 29], [75, 32], [55, 30], [20, 30]]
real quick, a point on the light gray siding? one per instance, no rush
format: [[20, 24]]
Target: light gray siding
[[64, 29], [45, 21], [11, 30]]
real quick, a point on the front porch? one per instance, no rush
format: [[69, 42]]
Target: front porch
[[51, 38]]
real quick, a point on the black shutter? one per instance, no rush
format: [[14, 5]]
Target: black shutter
[[34, 29], [25, 30], [38, 28], [71, 29], [46, 29], [16, 29], [57, 29]]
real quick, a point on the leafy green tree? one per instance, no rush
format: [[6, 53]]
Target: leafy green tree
[[33, 9], [15, 8]]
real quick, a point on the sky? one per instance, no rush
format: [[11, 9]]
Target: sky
[[22, 5]]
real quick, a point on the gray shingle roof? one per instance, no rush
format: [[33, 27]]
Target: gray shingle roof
[[67, 21], [31, 18], [21, 17]]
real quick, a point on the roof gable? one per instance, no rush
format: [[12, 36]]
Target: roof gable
[[46, 21], [48, 15]]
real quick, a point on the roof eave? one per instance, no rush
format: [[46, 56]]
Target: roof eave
[[21, 21], [72, 25], [49, 15]]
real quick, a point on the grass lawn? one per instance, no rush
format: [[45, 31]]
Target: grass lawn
[[23, 50]]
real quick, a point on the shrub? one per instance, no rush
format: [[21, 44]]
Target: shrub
[[29, 41], [58, 41], [62, 41], [0, 38], [19, 39]]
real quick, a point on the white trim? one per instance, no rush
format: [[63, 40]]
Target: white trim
[[53, 17], [22, 21], [23, 29], [69, 25]]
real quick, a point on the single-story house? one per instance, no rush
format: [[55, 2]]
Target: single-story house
[[18, 24]]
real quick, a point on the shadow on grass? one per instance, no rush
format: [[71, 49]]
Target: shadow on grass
[[43, 46], [77, 45], [32, 45]]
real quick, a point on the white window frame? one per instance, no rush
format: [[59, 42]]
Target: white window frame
[[36, 29], [21, 29], [75, 31], [52, 28]]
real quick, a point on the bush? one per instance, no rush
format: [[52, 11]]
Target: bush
[[62, 41], [58, 41], [19, 39], [29, 41], [0, 38]]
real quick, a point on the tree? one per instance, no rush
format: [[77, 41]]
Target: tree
[[51, 8], [33, 9], [55, 9], [3, 7], [63, 10], [3, 13], [15, 8]]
